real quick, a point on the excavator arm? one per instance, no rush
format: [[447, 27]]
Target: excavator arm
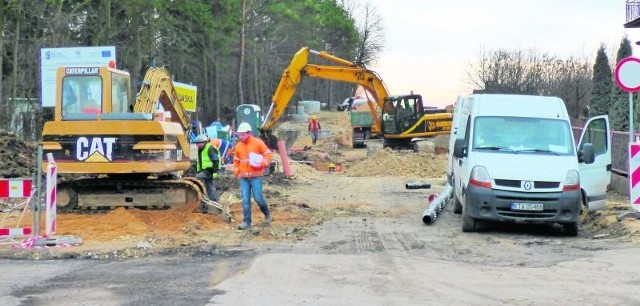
[[157, 87], [345, 71]]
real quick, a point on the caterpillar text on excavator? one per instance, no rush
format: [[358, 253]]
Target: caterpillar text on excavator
[[117, 156], [397, 119]]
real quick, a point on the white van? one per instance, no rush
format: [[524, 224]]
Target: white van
[[513, 159]]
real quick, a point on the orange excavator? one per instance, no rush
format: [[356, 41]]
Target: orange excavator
[[111, 153], [397, 119]]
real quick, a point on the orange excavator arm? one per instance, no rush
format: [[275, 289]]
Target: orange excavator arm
[[345, 71]]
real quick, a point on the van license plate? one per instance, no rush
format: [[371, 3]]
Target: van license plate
[[527, 206]]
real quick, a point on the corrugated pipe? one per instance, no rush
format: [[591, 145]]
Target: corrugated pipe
[[436, 203]]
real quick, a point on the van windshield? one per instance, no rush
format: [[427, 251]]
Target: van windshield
[[523, 135]]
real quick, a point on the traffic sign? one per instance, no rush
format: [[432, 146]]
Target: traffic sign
[[628, 74]]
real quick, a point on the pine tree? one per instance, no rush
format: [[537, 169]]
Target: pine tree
[[619, 111], [602, 85]]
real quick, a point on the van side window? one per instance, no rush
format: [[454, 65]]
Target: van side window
[[596, 134]]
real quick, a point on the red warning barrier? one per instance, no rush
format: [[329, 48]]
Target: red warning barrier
[[14, 189], [18, 231]]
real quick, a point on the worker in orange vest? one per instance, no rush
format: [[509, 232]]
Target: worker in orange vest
[[314, 128], [251, 156]]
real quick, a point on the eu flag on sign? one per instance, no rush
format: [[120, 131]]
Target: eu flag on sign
[[106, 53]]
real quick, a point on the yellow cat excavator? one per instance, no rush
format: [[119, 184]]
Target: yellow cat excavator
[[398, 119], [112, 155]]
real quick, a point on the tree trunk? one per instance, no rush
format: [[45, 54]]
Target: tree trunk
[[216, 84], [241, 61], [107, 21], [137, 51], [2, 15], [14, 81], [204, 94], [255, 97]]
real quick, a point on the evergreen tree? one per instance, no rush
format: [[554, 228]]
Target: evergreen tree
[[620, 99], [602, 85]]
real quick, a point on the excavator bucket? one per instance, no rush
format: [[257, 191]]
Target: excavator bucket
[[210, 206], [269, 138]]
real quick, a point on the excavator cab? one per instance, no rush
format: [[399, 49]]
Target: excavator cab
[[404, 117], [82, 93], [401, 112]]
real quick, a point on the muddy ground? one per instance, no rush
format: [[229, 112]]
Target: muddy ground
[[368, 186]]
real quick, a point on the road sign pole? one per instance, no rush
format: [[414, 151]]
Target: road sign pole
[[37, 198]]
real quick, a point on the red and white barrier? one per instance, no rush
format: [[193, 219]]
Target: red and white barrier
[[17, 231], [13, 189], [634, 177], [50, 197]]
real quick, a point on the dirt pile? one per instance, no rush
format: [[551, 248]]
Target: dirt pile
[[17, 158], [394, 163]]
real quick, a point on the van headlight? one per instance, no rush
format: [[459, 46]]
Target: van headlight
[[572, 181], [480, 177]]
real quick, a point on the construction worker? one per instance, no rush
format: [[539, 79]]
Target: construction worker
[[207, 165], [314, 129], [251, 157]]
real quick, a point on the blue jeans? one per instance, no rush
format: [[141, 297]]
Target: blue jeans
[[314, 136], [253, 186]]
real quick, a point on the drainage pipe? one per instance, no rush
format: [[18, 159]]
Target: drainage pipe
[[436, 203]]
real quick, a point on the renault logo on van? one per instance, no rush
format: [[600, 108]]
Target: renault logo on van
[[527, 185]]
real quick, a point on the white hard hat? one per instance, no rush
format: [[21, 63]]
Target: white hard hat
[[244, 127], [201, 138]]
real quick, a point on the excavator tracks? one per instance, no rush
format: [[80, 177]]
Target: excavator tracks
[[100, 194]]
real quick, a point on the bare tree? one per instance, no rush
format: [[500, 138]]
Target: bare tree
[[529, 72], [371, 32], [242, 50]]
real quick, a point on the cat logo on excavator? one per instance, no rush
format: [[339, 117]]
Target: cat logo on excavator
[[96, 149]]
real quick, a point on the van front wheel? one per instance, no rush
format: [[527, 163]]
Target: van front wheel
[[571, 229], [457, 206], [469, 224]]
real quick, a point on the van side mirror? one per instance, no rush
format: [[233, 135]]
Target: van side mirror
[[586, 154], [459, 148]]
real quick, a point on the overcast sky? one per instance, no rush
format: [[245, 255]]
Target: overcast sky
[[431, 43]]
